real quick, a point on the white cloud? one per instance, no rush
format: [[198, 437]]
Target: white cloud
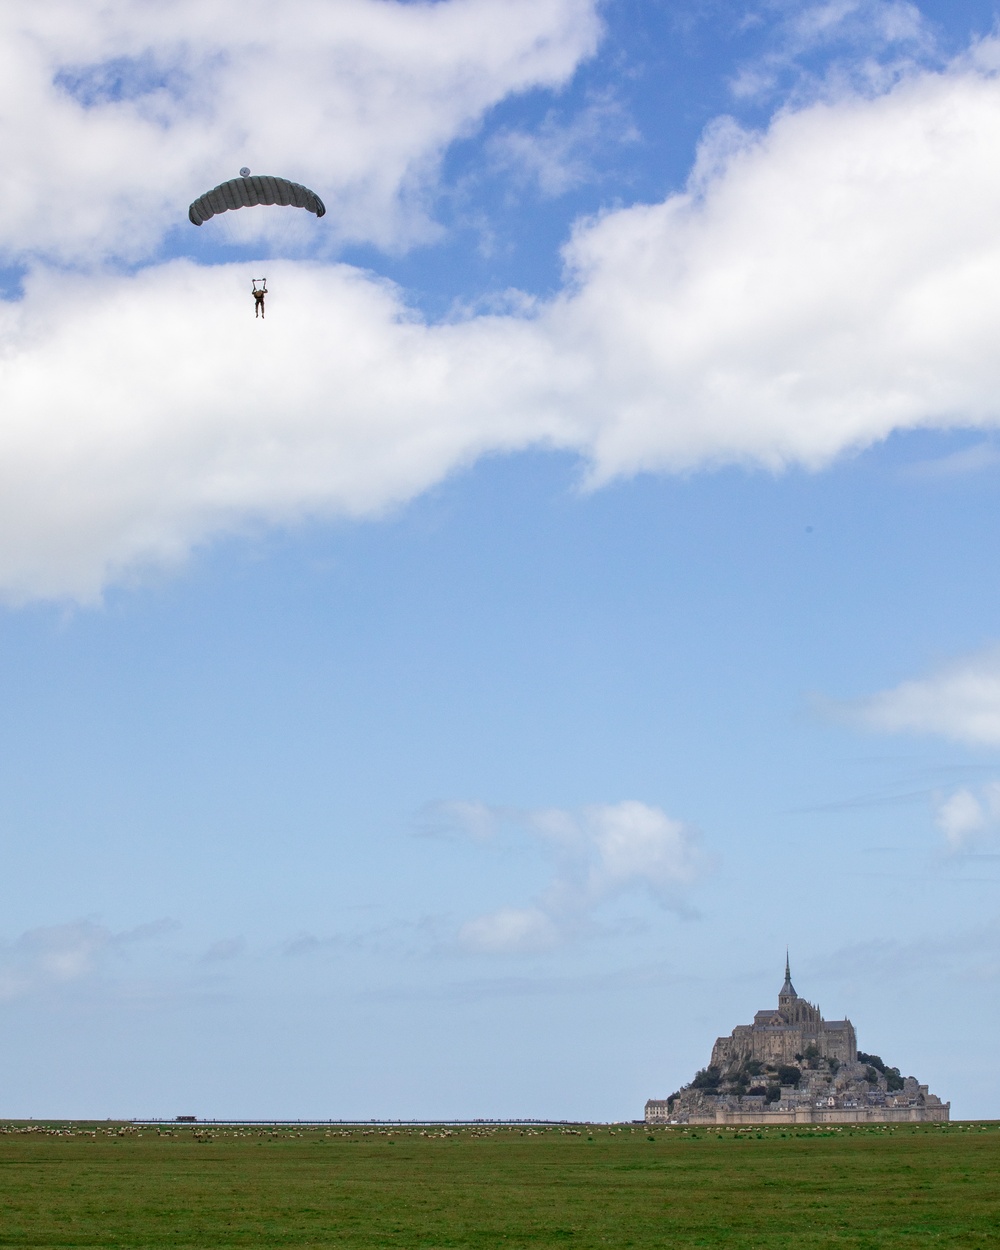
[[559, 155], [817, 287], [473, 819], [837, 280], [978, 458], [117, 114], [969, 818], [867, 43], [600, 852], [511, 930], [225, 949], [60, 955], [640, 845], [964, 817], [143, 414], [874, 23], [960, 701]]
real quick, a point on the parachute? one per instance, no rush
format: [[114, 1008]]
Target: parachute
[[246, 191]]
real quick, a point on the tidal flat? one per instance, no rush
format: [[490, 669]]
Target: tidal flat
[[591, 1187]]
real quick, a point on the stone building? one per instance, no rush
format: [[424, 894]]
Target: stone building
[[790, 1067]]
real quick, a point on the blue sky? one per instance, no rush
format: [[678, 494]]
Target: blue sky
[[449, 697]]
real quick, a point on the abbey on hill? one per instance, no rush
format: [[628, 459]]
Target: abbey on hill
[[792, 1067]]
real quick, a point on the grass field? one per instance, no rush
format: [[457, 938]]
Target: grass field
[[109, 1186]]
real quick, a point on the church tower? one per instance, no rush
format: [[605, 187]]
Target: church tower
[[787, 994]]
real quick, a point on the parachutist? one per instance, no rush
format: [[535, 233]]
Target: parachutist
[[258, 296]]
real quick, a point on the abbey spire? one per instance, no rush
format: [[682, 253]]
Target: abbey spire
[[787, 991]]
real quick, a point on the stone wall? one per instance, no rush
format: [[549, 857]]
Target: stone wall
[[657, 1114]]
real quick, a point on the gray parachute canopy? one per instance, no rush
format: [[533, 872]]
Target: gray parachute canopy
[[245, 192]]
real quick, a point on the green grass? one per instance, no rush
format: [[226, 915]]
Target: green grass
[[501, 1188]]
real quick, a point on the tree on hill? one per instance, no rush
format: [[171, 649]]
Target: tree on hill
[[893, 1079], [707, 1079]]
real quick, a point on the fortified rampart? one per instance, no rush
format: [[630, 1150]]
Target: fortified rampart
[[657, 1112]]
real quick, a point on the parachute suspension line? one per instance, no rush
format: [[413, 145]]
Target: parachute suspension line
[[262, 281]]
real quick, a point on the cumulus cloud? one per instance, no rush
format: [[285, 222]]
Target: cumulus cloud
[[143, 414], [816, 287], [118, 114], [600, 853], [960, 701]]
